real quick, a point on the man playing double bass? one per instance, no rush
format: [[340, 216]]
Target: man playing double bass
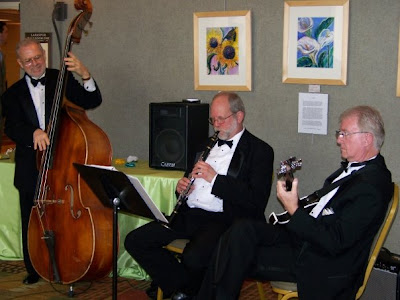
[[26, 109]]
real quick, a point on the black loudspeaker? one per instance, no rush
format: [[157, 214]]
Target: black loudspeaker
[[177, 129], [384, 281], [382, 285]]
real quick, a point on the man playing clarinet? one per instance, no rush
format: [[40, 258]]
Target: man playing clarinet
[[233, 182]]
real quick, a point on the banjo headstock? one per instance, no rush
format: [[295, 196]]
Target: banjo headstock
[[286, 169]]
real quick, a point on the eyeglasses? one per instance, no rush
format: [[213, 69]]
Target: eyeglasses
[[36, 58], [220, 120], [343, 134]]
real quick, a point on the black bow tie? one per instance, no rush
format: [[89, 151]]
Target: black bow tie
[[345, 164], [36, 81], [224, 142]]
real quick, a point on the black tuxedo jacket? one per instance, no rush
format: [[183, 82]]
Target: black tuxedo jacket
[[334, 248], [21, 120], [246, 187]]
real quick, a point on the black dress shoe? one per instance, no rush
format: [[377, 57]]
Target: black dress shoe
[[31, 279], [180, 296], [152, 292]]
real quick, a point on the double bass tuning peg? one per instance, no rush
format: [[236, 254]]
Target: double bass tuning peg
[[86, 32]]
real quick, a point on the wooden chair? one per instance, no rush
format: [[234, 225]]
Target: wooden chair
[[288, 290], [177, 247]]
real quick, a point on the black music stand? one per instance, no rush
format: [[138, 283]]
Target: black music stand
[[115, 190]]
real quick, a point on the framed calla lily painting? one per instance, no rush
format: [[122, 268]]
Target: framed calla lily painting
[[315, 40], [222, 50]]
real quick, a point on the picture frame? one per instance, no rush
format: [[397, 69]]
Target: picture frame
[[222, 50], [315, 42], [398, 70], [44, 39]]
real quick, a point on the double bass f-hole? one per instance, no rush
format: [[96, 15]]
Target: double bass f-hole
[[71, 202]]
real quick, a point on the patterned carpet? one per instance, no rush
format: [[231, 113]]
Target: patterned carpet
[[13, 272]]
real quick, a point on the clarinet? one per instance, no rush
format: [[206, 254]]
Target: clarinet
[[185, 193]]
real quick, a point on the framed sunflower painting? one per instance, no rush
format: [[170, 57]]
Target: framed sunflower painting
[[222, 50], [315, 38]]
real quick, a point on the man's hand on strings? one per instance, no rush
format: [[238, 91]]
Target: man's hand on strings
[[75, 65], [40, 140], [289, 199]]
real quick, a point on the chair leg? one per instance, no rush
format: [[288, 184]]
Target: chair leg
[[290, 295], [260, 290], [160, 295]]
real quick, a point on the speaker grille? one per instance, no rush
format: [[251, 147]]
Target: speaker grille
[[176, 131], [170, 146], [382, 285]]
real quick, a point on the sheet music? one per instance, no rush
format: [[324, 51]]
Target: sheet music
[[150, 203], [141, 190], [111, 168]]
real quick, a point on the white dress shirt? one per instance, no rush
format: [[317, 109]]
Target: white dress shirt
[[38, 97], [320, 207], [219, 159]]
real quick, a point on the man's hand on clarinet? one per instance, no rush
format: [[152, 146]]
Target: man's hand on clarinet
[[182, 185], [203, 170]]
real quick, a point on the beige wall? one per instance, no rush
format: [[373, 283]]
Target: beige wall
[[142, 51]]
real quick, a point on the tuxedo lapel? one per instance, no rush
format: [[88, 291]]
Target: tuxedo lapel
[[236, 163], [27, 102], [238, 157], [333, 176], [49, 93]]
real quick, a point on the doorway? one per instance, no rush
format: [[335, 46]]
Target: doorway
[[9, 13], [12, 19]]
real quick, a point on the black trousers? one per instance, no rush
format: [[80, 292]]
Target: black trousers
[[202, 228], [249, 249], [26, 203]]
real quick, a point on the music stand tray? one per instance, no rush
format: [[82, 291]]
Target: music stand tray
[[121, 192]]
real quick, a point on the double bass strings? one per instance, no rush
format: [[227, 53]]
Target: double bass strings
[[46, 158]]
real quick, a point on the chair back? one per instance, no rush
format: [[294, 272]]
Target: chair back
[[380, 237]]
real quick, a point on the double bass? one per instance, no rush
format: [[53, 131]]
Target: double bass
[[70, 231]]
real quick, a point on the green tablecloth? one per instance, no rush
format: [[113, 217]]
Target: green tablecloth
[[159, 184], [10, 217]]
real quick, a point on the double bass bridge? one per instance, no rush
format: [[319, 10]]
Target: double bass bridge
[[48, 201]]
